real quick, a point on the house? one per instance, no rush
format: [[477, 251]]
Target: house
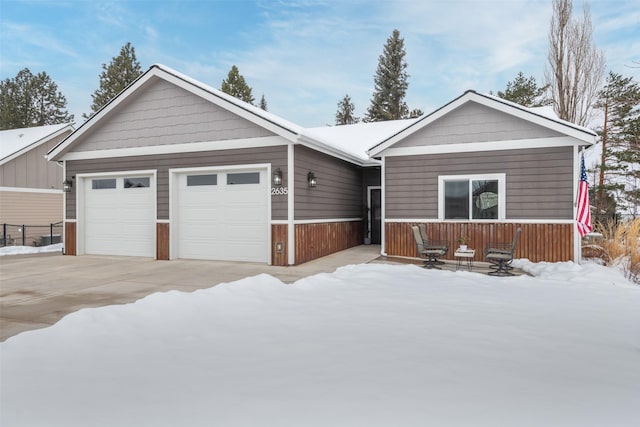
[[30, 186], [172, 168], [481, 167]]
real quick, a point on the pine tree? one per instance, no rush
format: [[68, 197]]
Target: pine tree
[[263, 103], [236, 86], [415, 113], [525, 91], [345, 114], [390, 82], [31, 100], [115, 77], [619, 169]]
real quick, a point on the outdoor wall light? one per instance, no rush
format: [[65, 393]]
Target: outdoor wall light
[[312, 180], [67, 185], [277, 177]]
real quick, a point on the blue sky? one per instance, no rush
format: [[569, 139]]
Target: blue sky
[[303, 55]]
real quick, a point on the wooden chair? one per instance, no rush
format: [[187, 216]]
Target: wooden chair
[[431, 251], [501, 255]]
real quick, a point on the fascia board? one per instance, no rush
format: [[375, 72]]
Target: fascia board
[[192, 147], [472, 147]]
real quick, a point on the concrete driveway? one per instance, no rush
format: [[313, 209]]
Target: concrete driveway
[[38, 290]]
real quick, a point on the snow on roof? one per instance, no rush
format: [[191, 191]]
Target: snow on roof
[[356, 139], [14, 140]]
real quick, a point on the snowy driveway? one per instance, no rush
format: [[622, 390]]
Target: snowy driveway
[[38, 290]]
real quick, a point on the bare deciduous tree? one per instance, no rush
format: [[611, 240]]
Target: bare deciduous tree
[[575, 66]]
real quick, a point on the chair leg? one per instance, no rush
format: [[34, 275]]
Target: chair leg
[[502, 269], [432, 262]]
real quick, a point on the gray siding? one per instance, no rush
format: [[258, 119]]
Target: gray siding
[[162, 113], [539, 182], [32, 170], [473, 122], [277, 156], [339, 191]]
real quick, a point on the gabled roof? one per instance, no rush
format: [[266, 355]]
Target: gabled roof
[[539, 116], [15, 142], [247, 111]]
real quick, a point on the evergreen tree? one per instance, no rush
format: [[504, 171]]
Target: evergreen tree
[[345, 114], [263, 103], [619, 168], [31, 100], [525, 91], [390, 82], [236, 86], [415, 113], [115, 77]]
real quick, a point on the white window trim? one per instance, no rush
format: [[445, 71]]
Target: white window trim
[[500, 177]]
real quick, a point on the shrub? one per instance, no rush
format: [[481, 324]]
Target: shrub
[[621, 243]]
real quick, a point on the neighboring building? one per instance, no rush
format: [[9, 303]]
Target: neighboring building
[[173, 168], [30, 186]]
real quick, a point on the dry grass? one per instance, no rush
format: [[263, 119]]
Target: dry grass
[[621, 243]]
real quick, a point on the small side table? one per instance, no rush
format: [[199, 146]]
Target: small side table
[[466, 254]]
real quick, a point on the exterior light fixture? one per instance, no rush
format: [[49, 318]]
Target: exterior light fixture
[[277, 177], [67, 185], [312, 180]]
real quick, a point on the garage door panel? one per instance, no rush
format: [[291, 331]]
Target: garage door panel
[[119, 221], [223, 221]]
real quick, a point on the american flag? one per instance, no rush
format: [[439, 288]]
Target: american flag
[[583, 214]]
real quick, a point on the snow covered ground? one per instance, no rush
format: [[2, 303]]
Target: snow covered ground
[[368, 345], [21, 250]]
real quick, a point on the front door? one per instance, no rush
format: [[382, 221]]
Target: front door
[[375, 215]]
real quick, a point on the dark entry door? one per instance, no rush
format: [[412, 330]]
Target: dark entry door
[[376, 216]]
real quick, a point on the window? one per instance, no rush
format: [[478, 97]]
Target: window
[[471, 197], [196, 180], [137, 182], [243, 178], [103, 184]]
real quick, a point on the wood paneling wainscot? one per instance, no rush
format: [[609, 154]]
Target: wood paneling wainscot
[[321, 239], [162, 241], [538, 242], [279, 234], [70, 238]]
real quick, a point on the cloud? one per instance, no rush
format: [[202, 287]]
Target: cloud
[[24, 37]]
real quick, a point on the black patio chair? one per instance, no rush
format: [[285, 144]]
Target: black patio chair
[[429, 250], [501, 256]]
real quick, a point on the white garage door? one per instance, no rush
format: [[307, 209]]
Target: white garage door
[[222, 215], [119, 216]]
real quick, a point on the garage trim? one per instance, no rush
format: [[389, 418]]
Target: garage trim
[[80, 199], [173, 194]]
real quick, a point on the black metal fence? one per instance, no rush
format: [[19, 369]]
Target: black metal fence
[[31, 235]]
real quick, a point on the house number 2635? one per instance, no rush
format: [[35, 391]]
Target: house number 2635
[[279, 191]]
